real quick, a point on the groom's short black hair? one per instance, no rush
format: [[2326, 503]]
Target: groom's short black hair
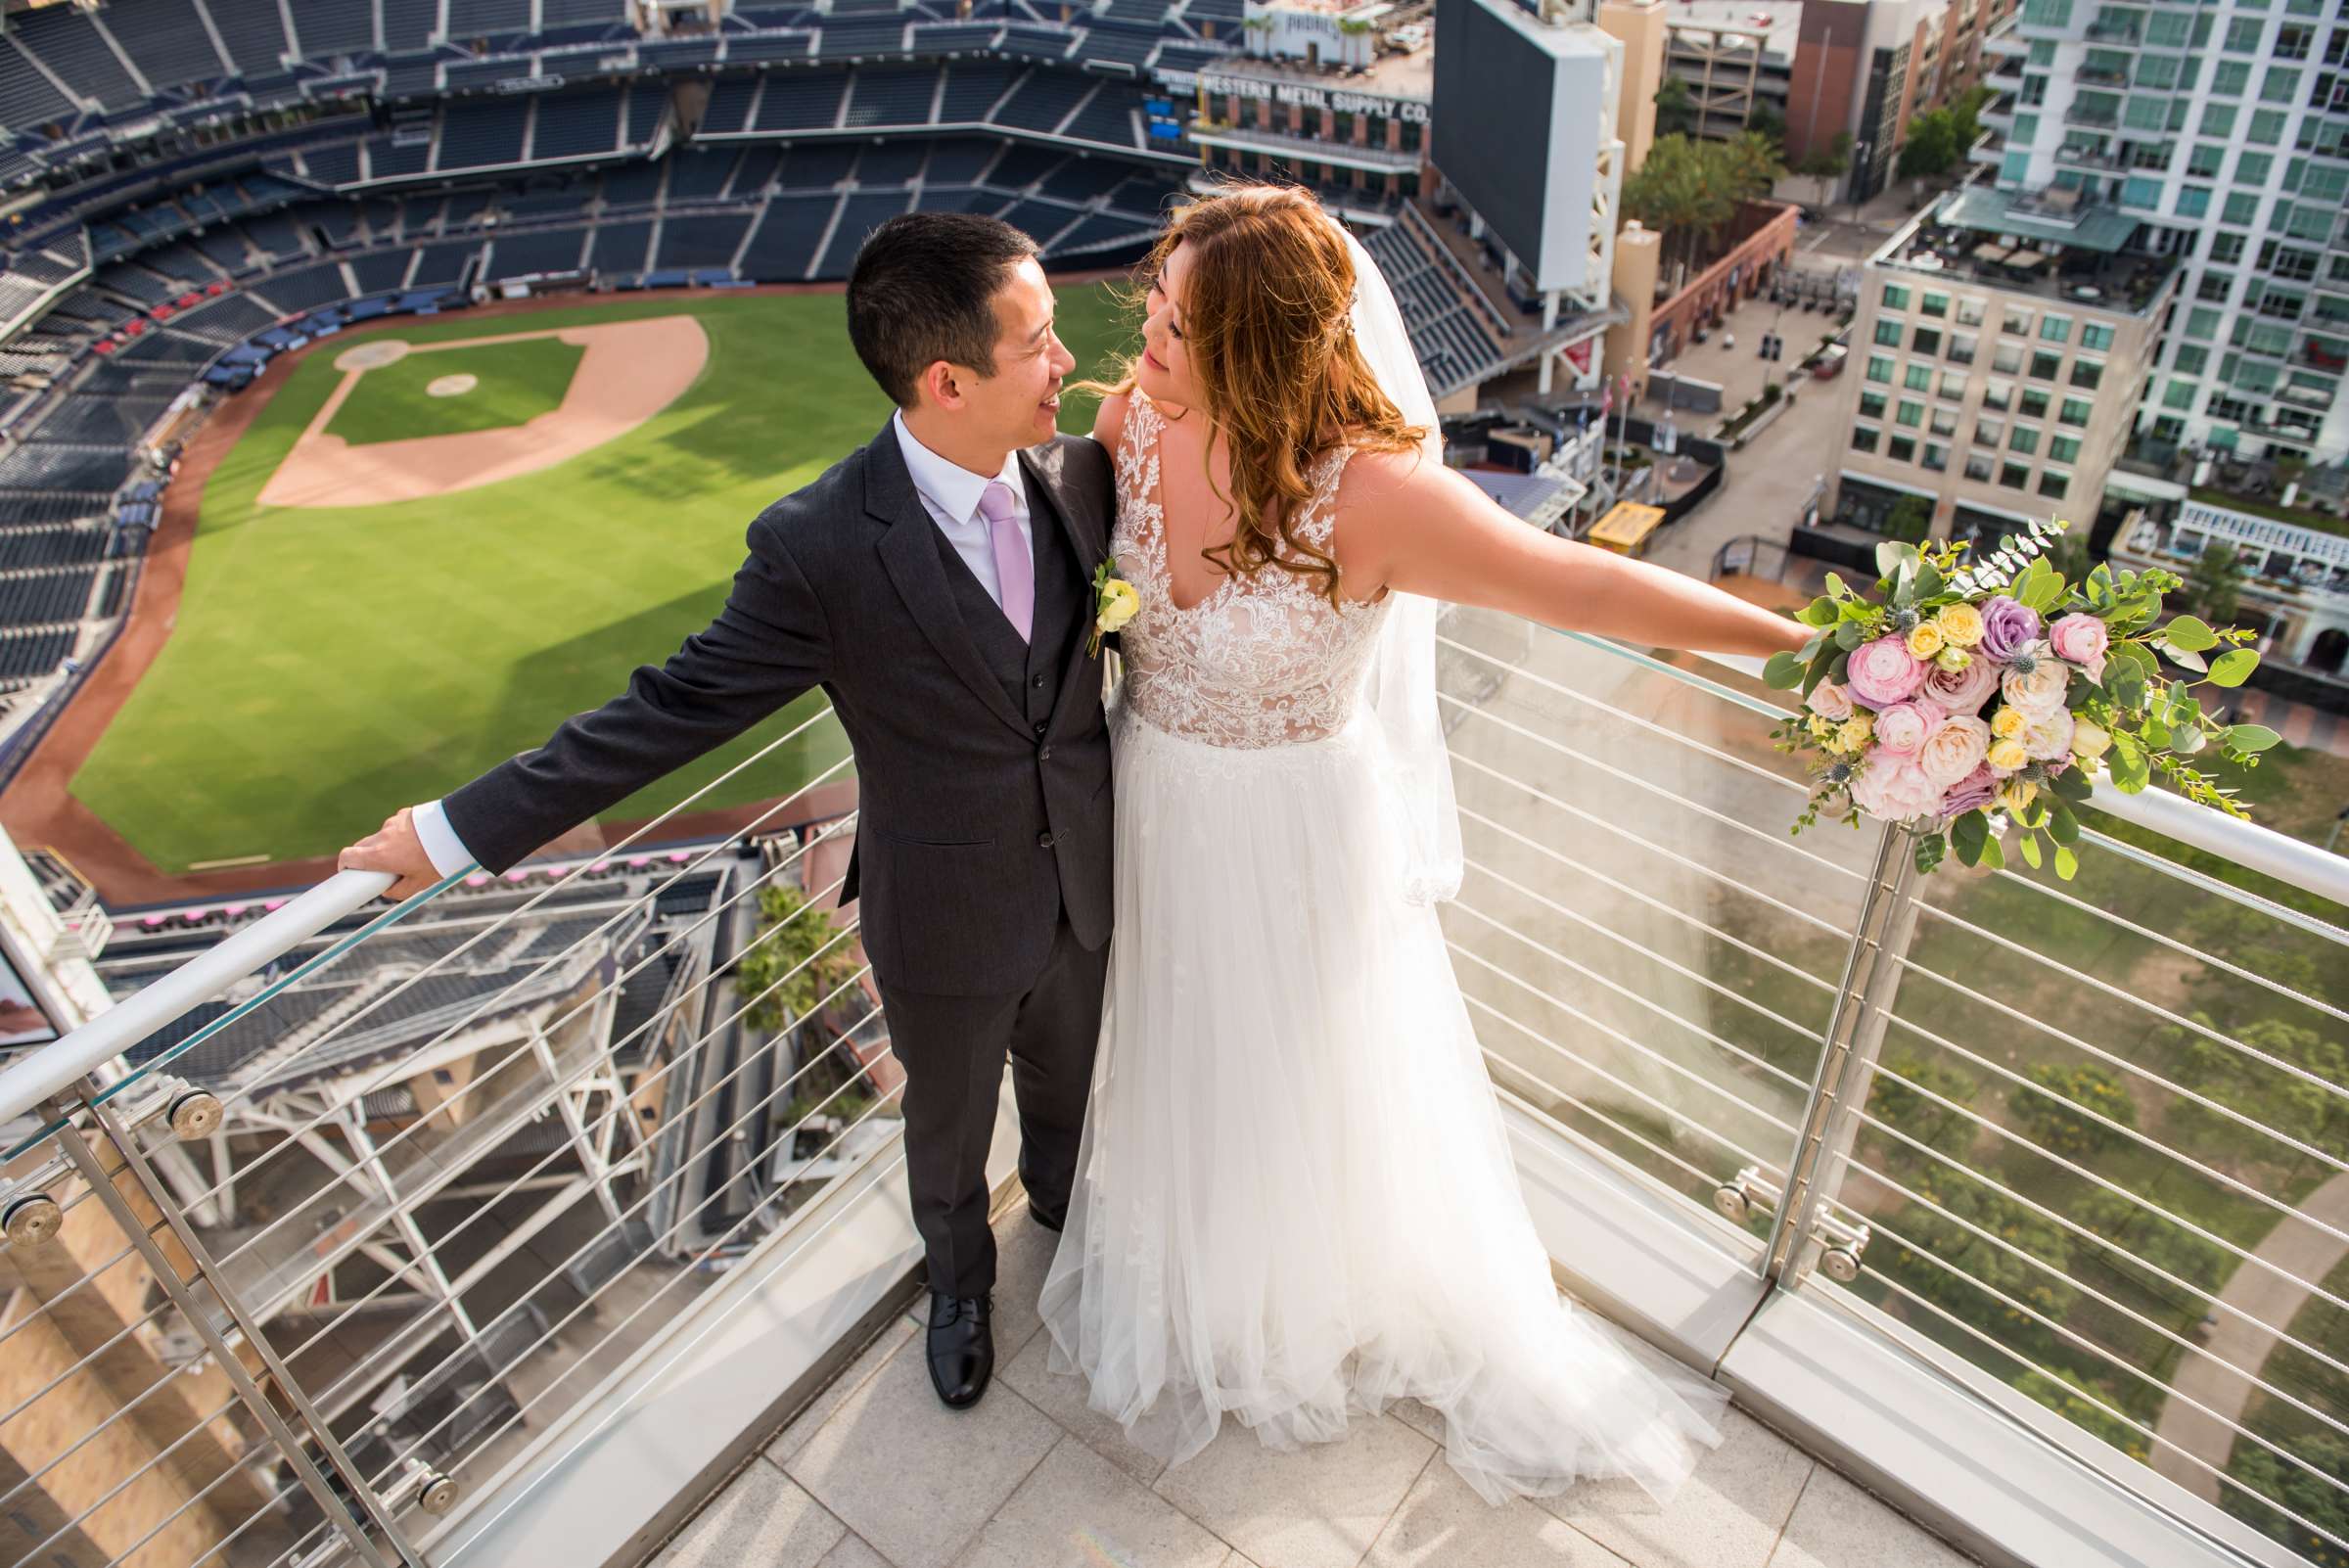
[[923, 290]]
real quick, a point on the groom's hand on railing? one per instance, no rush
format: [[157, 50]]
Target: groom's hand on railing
[[393, 847]]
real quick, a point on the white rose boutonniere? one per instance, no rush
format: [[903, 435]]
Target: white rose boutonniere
[[1114, 603]]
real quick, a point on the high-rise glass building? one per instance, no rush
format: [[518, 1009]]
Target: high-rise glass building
[[2224, 128]]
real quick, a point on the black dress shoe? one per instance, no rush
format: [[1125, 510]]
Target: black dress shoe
[[1040, 1218], [962, 1348]]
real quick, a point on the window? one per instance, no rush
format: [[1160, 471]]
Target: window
[[1989, 431], [2053, 484], [2087, 373], [1879, 367], [2281, 86], [1951, 387], [2141, 193], [2267, 127], [1927, 340], [1970, 312], [2253, 169], [2218, 119], [2242, 35], [2203, 324], [2015, 476], [2193, 200], [2206, 160], [2215, 287], [1896, 298], [2179, 395], [2191, 361], [2241, 209], [1917, 377], [1937, 457], [2226, 248], [2094, 335], [1997, 395], [2045, 364], [2024, 440], [2054, 329], [1911, 414], [2230, 78], [2033, 405], [2075, 411], [2007, 359], [1863, 437], [2063, 450], [1978, 467], [1961, 347], [1888, 331], [1901, 448], [1935, 304], [1945, 422], [1871, 405], [2015, 322]]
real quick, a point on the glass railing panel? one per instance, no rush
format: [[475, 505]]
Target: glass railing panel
[[2104, 1157], [1650, 957]]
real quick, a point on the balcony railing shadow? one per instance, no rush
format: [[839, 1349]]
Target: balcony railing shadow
[[390, 1253]]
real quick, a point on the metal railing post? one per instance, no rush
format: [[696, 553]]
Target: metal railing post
[[126, 1142], [1855, 1035]]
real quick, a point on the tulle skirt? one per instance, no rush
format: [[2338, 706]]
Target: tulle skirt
[[1295, 1199]]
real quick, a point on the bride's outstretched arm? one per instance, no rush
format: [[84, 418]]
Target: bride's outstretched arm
[[1421, 527]]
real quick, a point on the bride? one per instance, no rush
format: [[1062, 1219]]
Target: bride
[[1295, 1198]]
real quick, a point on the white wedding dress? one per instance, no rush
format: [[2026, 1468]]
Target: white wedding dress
[[1295, 1199]]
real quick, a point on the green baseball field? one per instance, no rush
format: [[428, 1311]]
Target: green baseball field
[[332, 663]]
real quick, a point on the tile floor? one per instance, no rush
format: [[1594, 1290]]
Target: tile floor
[[877, 1474]]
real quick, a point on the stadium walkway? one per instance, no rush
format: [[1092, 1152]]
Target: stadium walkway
[[875, 1474]]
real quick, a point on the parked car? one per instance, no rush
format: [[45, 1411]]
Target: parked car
[[1830, 362]]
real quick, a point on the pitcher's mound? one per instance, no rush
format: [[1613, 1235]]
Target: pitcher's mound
[[629, 372]]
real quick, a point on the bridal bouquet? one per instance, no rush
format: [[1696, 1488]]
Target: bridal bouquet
[[1969, 695]]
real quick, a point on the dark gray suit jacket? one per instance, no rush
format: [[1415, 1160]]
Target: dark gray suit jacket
[[979, 823]]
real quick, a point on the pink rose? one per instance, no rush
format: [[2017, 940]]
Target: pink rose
[[1963, 691], [1954, 750], [1829, 701], [2050, 735], [2082, 639], [1904, 726], [1884, 672], [1893, 789]]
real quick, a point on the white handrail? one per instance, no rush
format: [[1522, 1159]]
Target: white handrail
[[53, 1068]]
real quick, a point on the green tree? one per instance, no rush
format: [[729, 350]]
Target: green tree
[[1965, 115], [795, 953], [2322, 1502], [1676, 111], [2141, 1236], [2214, 583], [1932, 147], [1911, 520], [1688, 189], [1826, 164], [1767, 121], [2077, 1401], [1974, 1278], [1894, 1100], [2060, 1128], [2271, 1096]]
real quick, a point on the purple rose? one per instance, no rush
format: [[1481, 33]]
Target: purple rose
[[1976, 790], [2008, 626], [1884, 672]]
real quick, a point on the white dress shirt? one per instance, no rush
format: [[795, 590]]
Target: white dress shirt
[[949, 493]]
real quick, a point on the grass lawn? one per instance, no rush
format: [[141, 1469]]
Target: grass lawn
[[514, 383], [330, 666]]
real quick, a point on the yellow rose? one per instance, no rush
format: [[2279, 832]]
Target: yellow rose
[[1925, 641], [2007, 755], [1119, 602], [1953, 658], [2089, 740], [1961, 624], [2009, 722], [1858, 730], [2019, 794], [1822, 727]]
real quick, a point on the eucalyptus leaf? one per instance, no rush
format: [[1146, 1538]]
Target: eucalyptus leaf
[[2191, 633], [1781, 670], [2234, 667], [2251, 737], [2184, 658], [1849, 636], [2029, 845], [1992, 856], [2067, 864], [1968, 834], [1929, 849], [2063, 827]]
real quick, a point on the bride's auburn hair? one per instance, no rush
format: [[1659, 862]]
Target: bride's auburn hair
[[1268, 327]]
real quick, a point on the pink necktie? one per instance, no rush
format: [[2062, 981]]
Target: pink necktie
[[1014, 570]]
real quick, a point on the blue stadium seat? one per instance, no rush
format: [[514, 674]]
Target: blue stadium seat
[[577, 124], [890, 162], [959, 160], [167, 40], [519, 255], [785, 240], [1044, 100], [816, 165], [619, 248], [701, 240], [481, 135], [842, 40], [972, 88], [409, 24], [67, 41], [797, 100], [892, 95], [333, 27], [480, 18]]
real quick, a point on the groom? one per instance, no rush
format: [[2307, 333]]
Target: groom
[[936, 583]]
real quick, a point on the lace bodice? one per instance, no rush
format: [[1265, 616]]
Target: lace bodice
[[1263, 660]]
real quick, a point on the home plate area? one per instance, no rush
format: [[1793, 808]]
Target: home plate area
[[411, 421]]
